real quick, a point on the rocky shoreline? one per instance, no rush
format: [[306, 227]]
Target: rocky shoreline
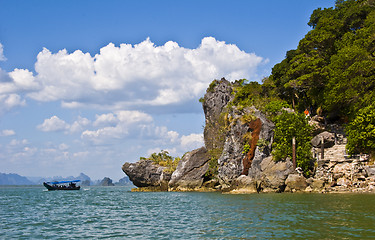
[[254, 171]]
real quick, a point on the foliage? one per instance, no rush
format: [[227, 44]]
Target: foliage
[[262, 143], [164, 159], [334, 64], [274, 107], [247, 94], [287, 126], [246, 148], [212, 85], [361, 132], [247, 118], [212, 168]]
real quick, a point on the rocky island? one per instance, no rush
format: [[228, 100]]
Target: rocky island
[[310, 125], [228, 130]]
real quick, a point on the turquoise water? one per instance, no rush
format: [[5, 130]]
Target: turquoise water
[[117, 213]]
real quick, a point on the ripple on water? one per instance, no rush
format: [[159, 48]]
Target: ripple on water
[[115, 212]]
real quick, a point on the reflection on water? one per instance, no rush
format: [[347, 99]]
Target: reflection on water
[[115, 212]]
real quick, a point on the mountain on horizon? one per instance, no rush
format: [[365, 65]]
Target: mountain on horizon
[[14, 179]]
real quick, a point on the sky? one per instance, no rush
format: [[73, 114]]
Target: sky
[[88, 85]]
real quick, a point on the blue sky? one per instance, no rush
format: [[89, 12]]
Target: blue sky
[[88, 85]]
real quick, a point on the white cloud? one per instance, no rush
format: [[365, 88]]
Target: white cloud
[[79, 124], [53, 124], [116, 125], [2, 57], [134, 77], [9, 101], [7, 132], [63, 147], [23, 80], [192, 141]]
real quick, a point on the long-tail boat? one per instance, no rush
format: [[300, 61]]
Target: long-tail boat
[[62, 185]]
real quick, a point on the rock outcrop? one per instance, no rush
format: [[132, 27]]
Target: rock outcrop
[[145, 173], [190, 171]]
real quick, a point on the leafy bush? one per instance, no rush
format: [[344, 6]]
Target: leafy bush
[[361, 132], [289, 125], [274, 107], [164, 159]]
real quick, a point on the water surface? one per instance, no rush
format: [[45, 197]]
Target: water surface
[[117, 213]]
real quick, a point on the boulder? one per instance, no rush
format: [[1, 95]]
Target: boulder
[[190, 170], [245, 184], [329, 140], [295, 182], [145, 173], [317, 184], [272, 174]]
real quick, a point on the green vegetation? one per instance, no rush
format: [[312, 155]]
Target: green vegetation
[[262, 143], [246, 148], [164, 159], [361, 132], [334, 64], [289, 125]]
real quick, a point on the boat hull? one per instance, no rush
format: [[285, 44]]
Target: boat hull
[[55, 188]]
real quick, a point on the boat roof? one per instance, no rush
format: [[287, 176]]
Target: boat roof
[[64, 182]]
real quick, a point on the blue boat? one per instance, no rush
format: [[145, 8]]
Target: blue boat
[[62, 185]]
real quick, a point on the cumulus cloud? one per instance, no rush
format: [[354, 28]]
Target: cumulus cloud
[[2, 57], [7, 132], [9, 101], [134, 76], [79, 124], [192, 141], [53, 124], [116, 125]]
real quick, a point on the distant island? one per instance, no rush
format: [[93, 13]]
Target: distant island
[[309, 126], [16, 179]]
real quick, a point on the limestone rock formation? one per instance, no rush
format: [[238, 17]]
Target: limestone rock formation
[[145, 173], [106, 182], [234, 162], [190, 171]]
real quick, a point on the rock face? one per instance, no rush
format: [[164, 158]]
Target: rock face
[[329, 140], [145, 173], [190, 171], [295, 182]]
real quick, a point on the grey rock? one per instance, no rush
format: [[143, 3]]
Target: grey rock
[[145, 173], [231, 161], [329, 140], [190, 171], [295, 182], [317, 184], [370, 170], [270, 175]]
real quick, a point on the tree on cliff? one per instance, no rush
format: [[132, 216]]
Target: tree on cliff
[[333, 66]]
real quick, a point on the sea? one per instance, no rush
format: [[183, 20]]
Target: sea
[[31, 212]]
